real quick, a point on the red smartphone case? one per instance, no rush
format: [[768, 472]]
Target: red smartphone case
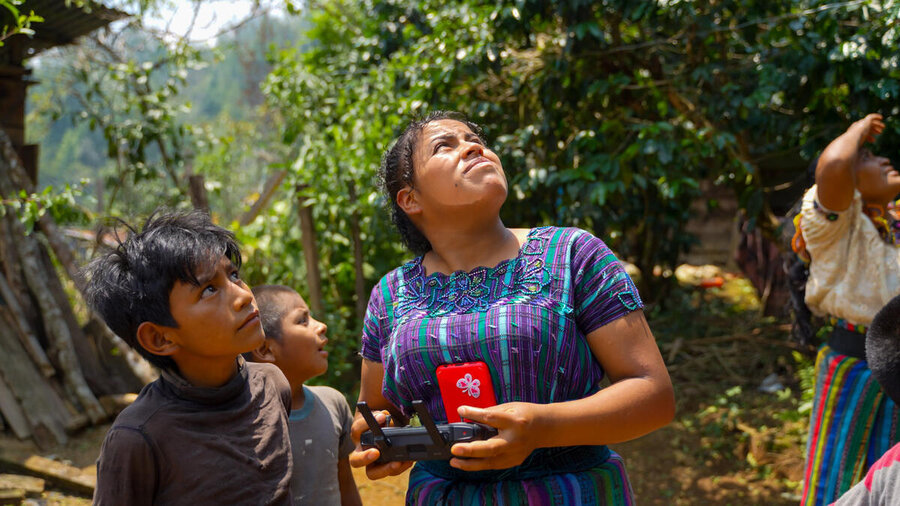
[[466, 384]]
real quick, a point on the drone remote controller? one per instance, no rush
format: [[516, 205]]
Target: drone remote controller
[[429, 442]]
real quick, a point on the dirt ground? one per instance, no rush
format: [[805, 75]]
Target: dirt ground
[[660, 472], [730, 444]]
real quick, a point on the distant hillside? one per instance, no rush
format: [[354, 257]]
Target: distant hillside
[[227, 87]]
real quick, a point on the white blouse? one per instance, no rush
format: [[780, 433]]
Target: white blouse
[[853, 272]]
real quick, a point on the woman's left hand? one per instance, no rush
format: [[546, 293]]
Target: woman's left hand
[[519, 425]]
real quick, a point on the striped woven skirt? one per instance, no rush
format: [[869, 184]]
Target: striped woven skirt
[[852, 424], [603, 484]]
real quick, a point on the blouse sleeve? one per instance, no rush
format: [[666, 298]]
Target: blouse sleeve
[[373, 330], [823, 228], [603, 290]]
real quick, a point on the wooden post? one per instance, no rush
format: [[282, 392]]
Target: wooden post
[[198, 192], [39, 284], [104, 372], [55, 324], [33, 396], [13, 84], [264, 197], [99, 187], [310, 252], [25, 334], [12, 412]]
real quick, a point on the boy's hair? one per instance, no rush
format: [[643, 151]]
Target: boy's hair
[[130, 285], [797, 270], [883, 348], [271, 310]]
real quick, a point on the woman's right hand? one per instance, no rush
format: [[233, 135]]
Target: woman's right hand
[[867, 128], [835, 172], [367, 458]]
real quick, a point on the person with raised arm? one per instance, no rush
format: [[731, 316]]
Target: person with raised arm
[[849, 234]]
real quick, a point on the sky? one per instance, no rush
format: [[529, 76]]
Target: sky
[[212, 17]]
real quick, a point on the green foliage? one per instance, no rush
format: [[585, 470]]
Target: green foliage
[[131, 100], [806, 375], [61, 205], [15, 21], [137, 111], [607, 115]]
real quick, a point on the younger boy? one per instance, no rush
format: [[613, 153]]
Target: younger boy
[[212, 429], [320, 418]]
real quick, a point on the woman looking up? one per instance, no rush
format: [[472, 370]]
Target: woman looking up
[[549, 310], [848, 233]]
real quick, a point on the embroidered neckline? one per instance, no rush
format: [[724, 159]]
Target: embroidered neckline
[[464, 291], [526, 248], [888, 228]]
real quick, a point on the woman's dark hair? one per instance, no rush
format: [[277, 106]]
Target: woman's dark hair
[[396, 171], [798, 273], [801, 324], [130, 285]]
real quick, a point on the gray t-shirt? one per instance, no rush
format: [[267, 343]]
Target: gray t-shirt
[[880, 487], [320, 437], [181, 444]]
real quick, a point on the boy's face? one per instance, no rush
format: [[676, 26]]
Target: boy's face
[[217, 319], [300, 353]]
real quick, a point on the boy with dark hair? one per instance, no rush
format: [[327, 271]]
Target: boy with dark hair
[[320, 418], [212, 428], [881, 485]]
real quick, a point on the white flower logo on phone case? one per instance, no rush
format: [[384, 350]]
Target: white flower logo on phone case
[[469, 386]]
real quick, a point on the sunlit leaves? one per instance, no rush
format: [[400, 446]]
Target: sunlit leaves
[[607, 115], [21, 20]]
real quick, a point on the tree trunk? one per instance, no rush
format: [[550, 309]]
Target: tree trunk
[[198, 192], [311, 253], [360, 285]]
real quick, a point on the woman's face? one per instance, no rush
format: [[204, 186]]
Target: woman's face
[[454, 170], [876, 179]]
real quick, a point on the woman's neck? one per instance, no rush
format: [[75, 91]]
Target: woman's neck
[[457, 248], [874, 200]]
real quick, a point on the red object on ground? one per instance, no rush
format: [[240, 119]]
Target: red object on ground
[[715, 282]]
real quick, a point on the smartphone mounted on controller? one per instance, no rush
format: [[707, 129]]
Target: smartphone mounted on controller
[[465, 384], [428, 442]]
